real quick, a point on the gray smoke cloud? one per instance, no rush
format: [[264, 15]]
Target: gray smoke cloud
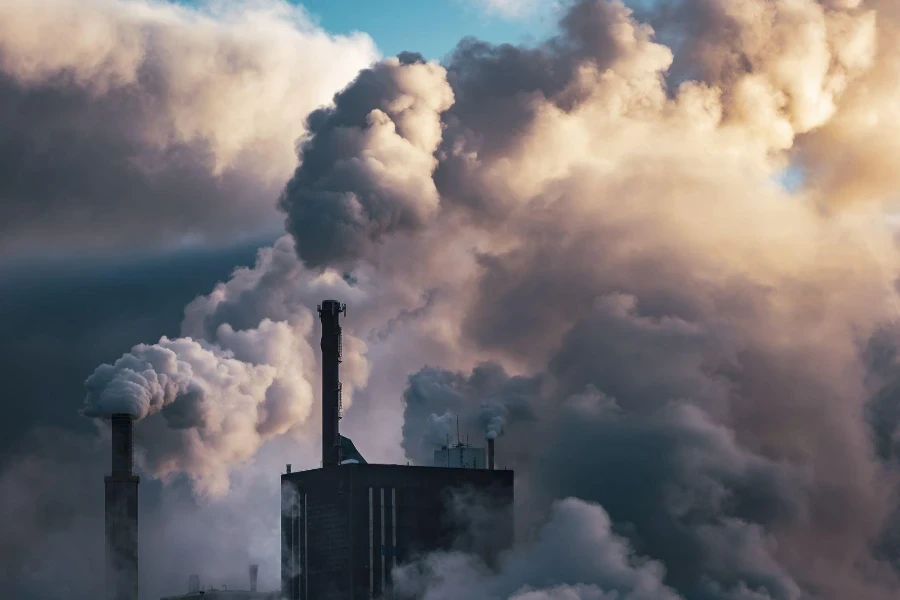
[[577, 544], [148, 122], [481, 404], [366, 168], [209, 403], [691, 333]]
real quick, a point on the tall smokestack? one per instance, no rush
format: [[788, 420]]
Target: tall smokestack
[[254, 575], [122, 514], [329, 313], [491, 453]]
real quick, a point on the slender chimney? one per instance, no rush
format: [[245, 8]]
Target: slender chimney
[[254, 574], [122, 514], [329, 314], [491, 453], [194, 584]]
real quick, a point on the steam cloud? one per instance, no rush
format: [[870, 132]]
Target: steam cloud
[[584, 241], [129, 121]]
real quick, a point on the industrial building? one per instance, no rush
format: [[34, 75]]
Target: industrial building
[[347, 524], [460, 456]]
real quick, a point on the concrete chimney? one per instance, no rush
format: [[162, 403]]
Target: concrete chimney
[[194, 584], [490, 453], [329, 314], [122, 513], [254, 575]]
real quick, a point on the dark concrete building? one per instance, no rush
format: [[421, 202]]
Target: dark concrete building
[[346, 525], [344, 528]]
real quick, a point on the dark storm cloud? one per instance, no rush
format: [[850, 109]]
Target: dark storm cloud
[[65, 318], [366, 166], [52, 518], [121, 138], [75, 171], [69, 317]]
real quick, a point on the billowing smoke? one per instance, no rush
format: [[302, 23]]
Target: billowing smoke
[[583, 244], [366, 170], [212, 401], [688, 336], [127, 122], [577, 544], [438, 402], [172, 375], [217, 409]]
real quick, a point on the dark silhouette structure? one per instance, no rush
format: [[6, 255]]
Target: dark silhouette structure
[[122, 514], [346, 525], [329, 314], [490, 453]]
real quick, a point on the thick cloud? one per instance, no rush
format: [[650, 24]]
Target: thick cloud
[[64, 319], [657, 326], [576, 556], [130, 122], [211, 401], [366, 169], [696, 330], [482, 405]]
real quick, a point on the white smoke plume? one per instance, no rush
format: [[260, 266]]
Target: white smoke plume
[[152, 378], [577, 544], [214, 400]]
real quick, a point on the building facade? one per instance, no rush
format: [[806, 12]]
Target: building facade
[[345, 528]]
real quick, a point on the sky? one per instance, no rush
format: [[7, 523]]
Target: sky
[[398, 25], [574, 240]]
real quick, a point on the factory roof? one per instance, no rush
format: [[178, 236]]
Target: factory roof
[[224, 595]]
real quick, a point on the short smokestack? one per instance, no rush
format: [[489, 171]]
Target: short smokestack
[[490, 453], [122, 513], [254, 574], [329, 314], [194, 584]]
